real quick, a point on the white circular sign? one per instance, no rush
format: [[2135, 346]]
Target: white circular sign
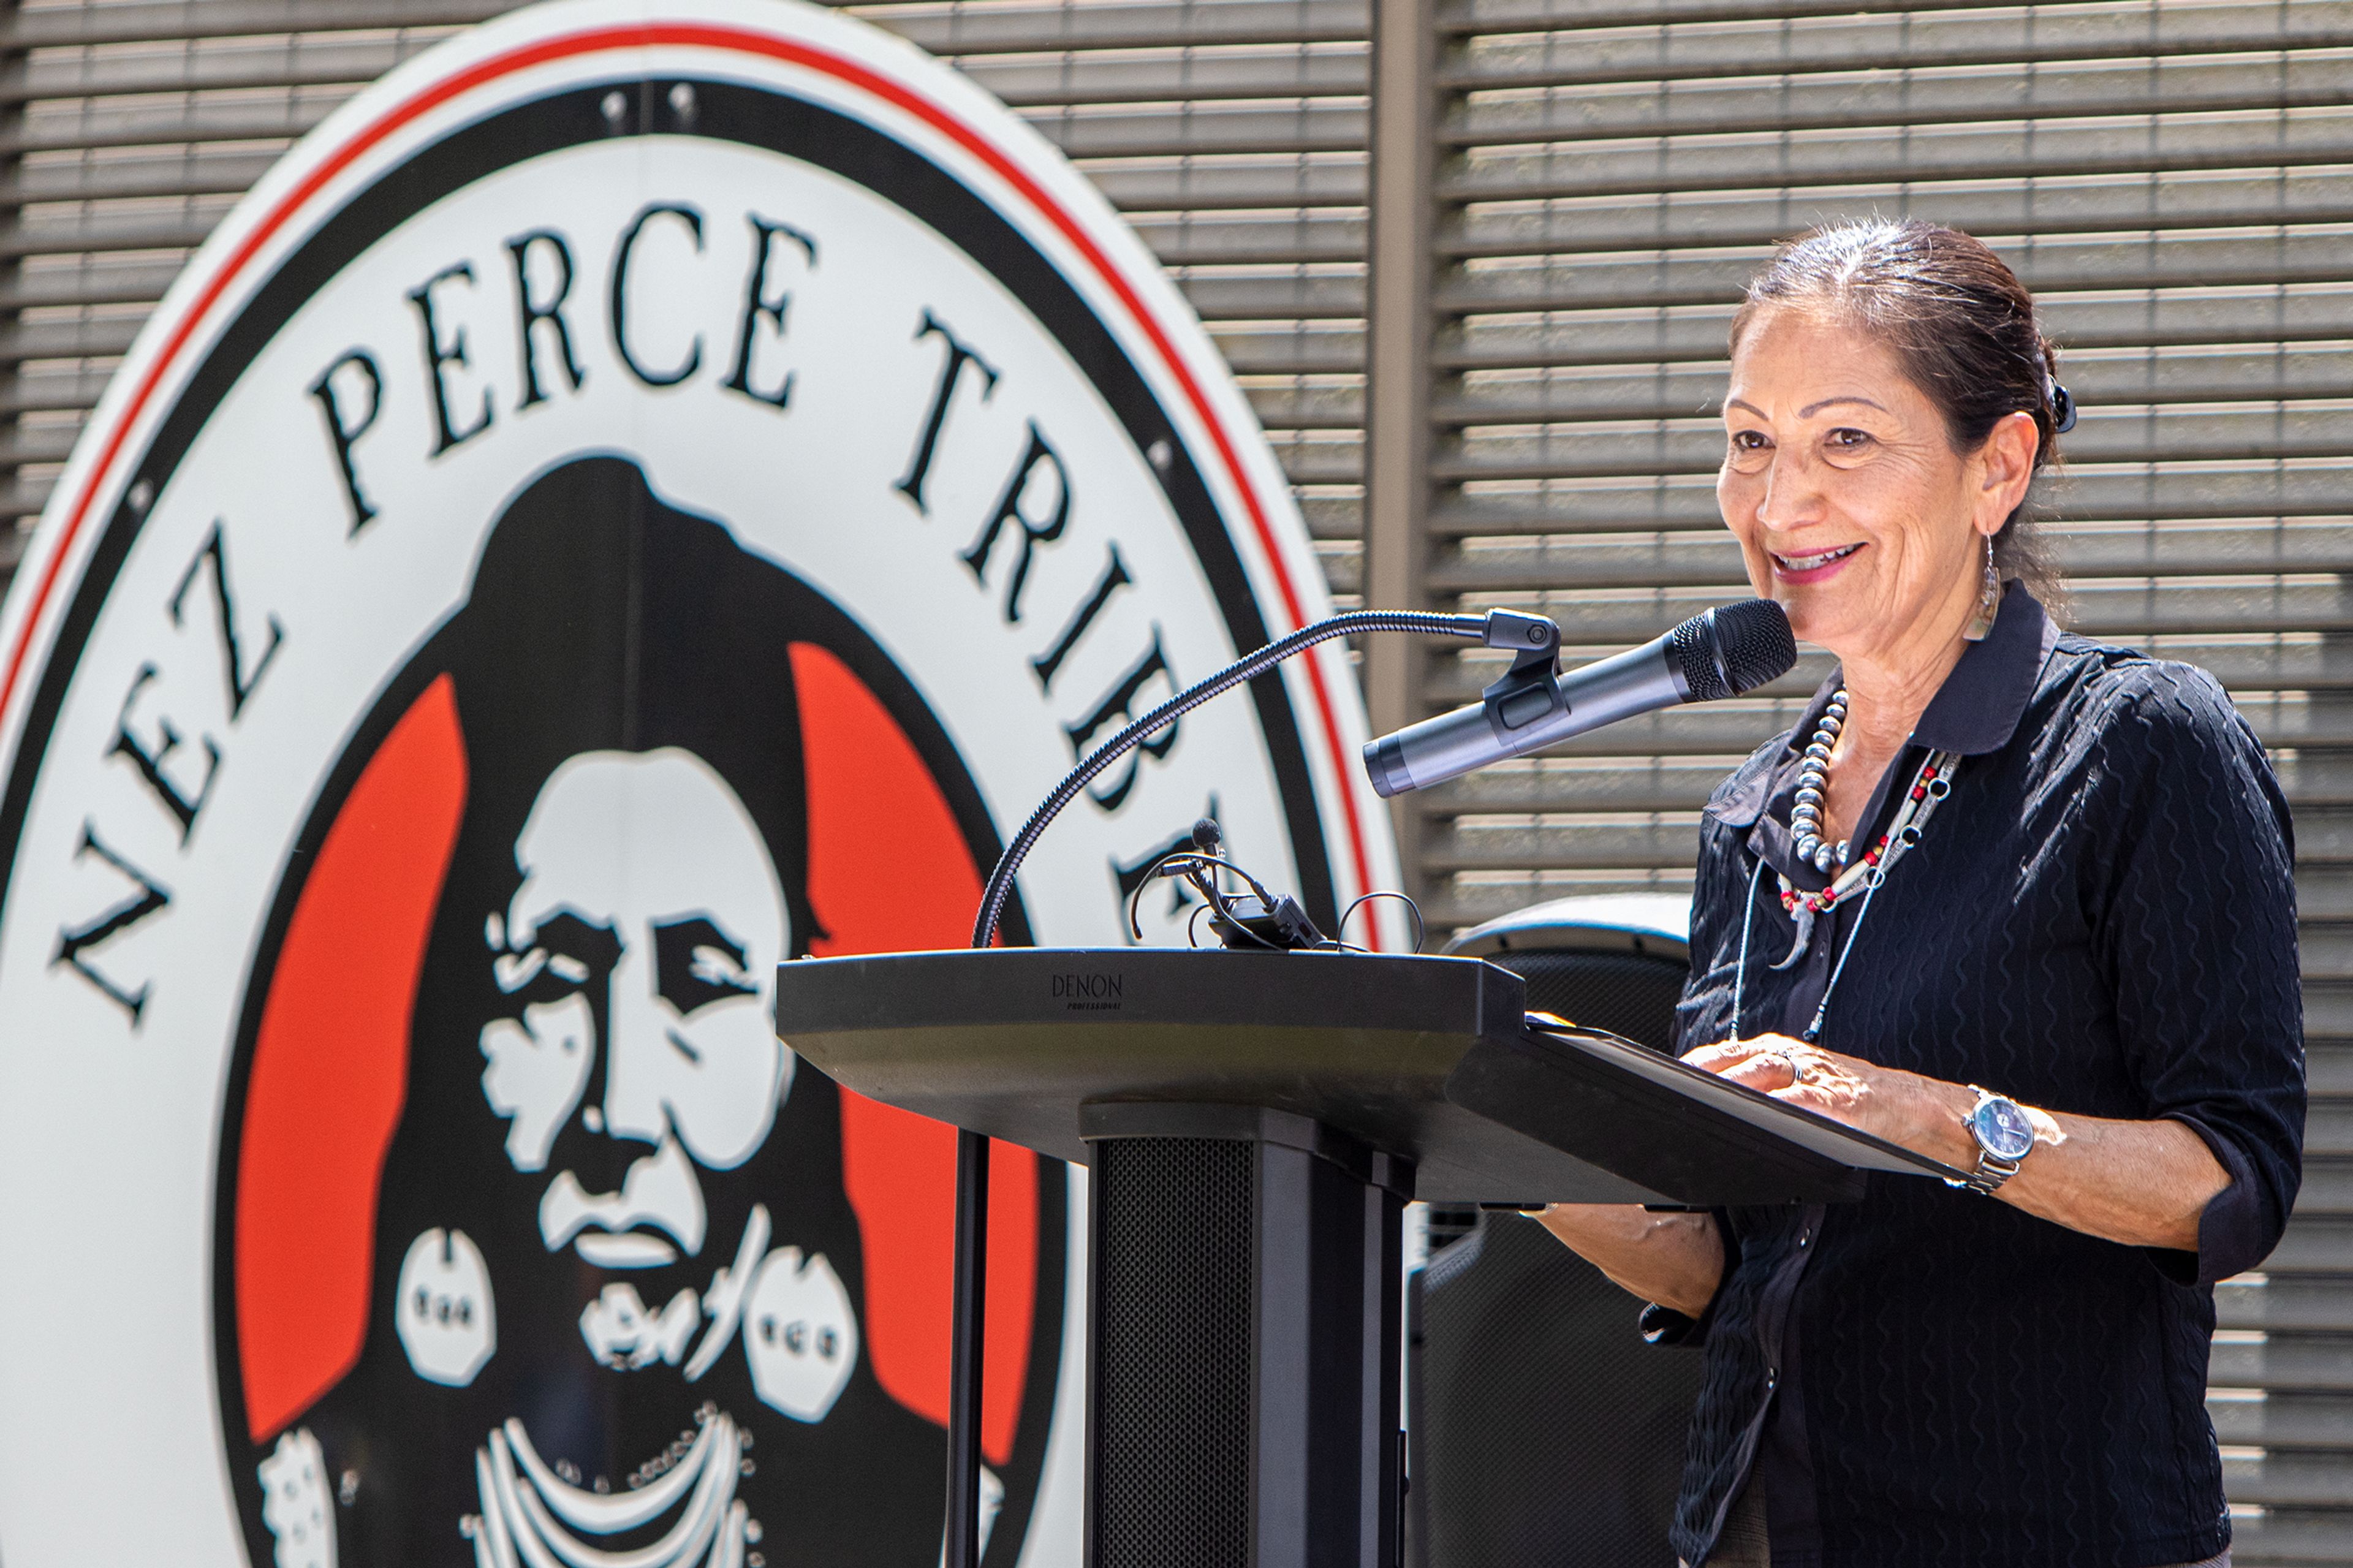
[[628, 500]]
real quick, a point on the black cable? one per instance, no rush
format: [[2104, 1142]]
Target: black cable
[[1190, 864], [1001, 881], [1144, 886], [1199, 872], [1421, 929], [1198, 866]]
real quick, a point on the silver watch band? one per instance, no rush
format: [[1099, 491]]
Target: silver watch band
[[1990, 1174]]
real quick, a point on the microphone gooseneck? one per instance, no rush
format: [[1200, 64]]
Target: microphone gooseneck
[[1492, 625]]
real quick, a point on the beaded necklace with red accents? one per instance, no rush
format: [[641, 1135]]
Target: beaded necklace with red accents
[[1929, 786]]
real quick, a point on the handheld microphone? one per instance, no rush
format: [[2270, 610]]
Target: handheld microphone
[[1716, 653]]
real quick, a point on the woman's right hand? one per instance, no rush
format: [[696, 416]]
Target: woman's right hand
[[1675, 1259]]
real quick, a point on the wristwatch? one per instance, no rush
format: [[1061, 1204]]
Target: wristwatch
[[2004, 1135]]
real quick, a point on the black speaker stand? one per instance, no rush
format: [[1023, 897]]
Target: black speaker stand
[[1244, 1317]]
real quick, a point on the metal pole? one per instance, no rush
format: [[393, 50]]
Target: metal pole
[[1399, 320], [14, 533], [963, 1546]]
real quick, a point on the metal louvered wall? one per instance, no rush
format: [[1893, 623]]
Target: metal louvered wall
[[2170, 179], [1569, 194], [1233, 132], [2175, 182]]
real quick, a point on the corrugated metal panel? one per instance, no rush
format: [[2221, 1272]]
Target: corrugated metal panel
[[1232, 131], [2175, 182]]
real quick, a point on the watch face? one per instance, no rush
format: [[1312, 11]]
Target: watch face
[[2002, 1130]]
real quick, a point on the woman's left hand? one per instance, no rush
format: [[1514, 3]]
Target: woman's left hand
[[2144, 1183], [1923, 1114]]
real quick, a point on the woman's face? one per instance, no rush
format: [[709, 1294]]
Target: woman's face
[[1850, 506]]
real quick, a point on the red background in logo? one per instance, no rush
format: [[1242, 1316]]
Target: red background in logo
[[888, 870], [330, 1065]]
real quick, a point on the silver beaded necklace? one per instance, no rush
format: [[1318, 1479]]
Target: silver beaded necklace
[[1929, 786], [1814, 774]]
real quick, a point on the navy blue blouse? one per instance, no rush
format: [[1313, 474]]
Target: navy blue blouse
[[2100, 919]]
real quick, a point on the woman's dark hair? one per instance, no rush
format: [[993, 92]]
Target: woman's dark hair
[[1960, 323]]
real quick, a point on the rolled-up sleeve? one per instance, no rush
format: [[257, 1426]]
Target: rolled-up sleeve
[[2194, 914]]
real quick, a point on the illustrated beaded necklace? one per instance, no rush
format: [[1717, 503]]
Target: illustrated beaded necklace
[[1864, 877]]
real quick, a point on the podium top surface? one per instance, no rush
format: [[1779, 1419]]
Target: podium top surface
[[1013, 1041], [1098, 997], [1019, 1043]]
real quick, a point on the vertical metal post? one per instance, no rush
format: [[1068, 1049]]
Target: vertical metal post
[[965, 1351], [1400, 320], [14, 63]]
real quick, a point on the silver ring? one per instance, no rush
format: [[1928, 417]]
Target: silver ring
[[1797, 1074]]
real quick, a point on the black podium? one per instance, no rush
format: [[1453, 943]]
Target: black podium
[[1255, 1123]]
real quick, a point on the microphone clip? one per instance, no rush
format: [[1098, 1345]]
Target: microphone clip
[[1530, 690], [1258, 919]]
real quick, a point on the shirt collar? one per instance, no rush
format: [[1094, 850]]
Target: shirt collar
[[1974, 712], [1978, 708]]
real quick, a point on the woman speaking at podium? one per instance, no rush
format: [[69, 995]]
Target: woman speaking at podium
[[2007, 897]]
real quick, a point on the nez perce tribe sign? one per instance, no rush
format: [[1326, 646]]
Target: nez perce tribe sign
[[631, 500]]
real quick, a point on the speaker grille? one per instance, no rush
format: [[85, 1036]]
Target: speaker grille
[[1545, 1434], [1548, 1435], [1173, 1359], [1627, 994]]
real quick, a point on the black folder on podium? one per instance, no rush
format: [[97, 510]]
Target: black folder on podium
[[1255, 1122]]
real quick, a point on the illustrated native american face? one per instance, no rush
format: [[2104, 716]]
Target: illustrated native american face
[[641, 1048], [639, 1055]]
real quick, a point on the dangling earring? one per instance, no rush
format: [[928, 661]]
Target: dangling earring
[[1988, 601]]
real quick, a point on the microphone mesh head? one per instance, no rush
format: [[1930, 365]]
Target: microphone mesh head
[[1739, 647]]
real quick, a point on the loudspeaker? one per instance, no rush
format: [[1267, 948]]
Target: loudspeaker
[[1614, 961], [1243, 1393], [1543, 1433]]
